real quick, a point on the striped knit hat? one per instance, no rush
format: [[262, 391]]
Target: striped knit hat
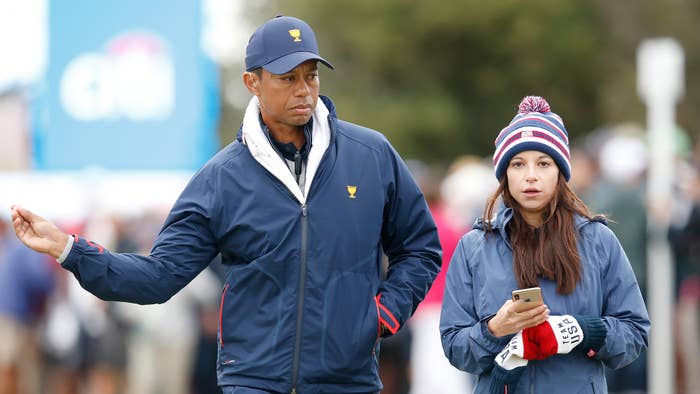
[[534, 127]]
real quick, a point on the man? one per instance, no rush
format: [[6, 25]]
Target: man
[[302, 207]]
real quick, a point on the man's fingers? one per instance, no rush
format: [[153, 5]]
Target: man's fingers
[[21, 226], [19, 222], [26, 214]]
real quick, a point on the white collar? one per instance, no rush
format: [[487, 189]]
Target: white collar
[[264, 153]]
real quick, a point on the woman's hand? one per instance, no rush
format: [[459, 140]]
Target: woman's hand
[[509, 321]]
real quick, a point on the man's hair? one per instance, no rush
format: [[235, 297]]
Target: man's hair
[[258, 72], [549, 251]]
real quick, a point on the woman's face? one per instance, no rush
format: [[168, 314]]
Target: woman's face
[[532, 181]]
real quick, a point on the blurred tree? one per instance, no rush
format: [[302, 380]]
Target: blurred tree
[[441, 79], [626, 23]]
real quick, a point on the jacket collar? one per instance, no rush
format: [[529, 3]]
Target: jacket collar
[[330, 106], [252, 135], [500, 221]]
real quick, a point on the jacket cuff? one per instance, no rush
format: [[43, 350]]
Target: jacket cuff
[[79, 247], [503, 380], [594, 333], [66, 250], [386, 318]]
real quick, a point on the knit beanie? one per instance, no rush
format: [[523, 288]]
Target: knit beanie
[[534, 127]]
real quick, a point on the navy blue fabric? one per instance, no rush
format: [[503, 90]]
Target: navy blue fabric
[[235, 207], [244, 390], [502, 379], [281, 44]]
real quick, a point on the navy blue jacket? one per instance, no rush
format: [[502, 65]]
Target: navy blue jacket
[[304, 294]]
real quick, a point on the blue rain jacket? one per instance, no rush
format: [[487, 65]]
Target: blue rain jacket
[[480, 279], [304, 295]]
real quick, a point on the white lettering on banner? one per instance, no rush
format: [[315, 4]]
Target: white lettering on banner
[[134, 78]]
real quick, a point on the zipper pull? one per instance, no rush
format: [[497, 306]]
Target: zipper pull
[[297, 164], [294, 390], [303, 210]]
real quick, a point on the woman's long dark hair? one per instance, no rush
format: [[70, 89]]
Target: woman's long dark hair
[[549, 251]]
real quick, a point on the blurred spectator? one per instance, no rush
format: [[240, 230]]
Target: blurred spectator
[[83, 340], [621, 195], [163, 338], [26, 279], [685, 239], [431, 372], [395, 362], [469, 181], [688, 332], [685, 228], [584, 175]]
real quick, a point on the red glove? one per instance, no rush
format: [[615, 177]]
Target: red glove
[[557, 335]]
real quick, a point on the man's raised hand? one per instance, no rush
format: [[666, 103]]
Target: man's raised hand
[[38, 233]]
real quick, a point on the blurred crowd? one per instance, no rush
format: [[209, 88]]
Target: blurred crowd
[[57, 338]]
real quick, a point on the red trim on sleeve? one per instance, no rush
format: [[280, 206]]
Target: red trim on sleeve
[[100, 249], [391, 327], [379, 318]]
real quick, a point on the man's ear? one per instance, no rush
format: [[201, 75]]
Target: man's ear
[[251, 82]]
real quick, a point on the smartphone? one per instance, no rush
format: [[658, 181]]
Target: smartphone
[[531, 297]]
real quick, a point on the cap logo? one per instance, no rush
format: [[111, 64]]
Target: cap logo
[[526, 133], [295, 34]]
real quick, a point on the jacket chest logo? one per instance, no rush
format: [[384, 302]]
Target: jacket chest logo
[[351, 191]]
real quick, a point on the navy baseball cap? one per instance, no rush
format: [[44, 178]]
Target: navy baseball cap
[[281, 44]]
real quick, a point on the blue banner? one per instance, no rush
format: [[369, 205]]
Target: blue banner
[[128, 87]]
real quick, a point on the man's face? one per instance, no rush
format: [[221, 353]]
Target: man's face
[[287, 99]]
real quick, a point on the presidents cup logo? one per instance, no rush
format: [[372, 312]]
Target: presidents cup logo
[[351, 191], [296, 35]]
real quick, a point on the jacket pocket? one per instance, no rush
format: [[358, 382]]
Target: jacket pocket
[[250, 316], [221, 320], [351, 325]]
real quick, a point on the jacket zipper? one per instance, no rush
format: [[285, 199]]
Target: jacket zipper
[[221, 312], [300, 300]]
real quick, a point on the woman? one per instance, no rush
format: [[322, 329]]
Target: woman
[[543, 236]]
